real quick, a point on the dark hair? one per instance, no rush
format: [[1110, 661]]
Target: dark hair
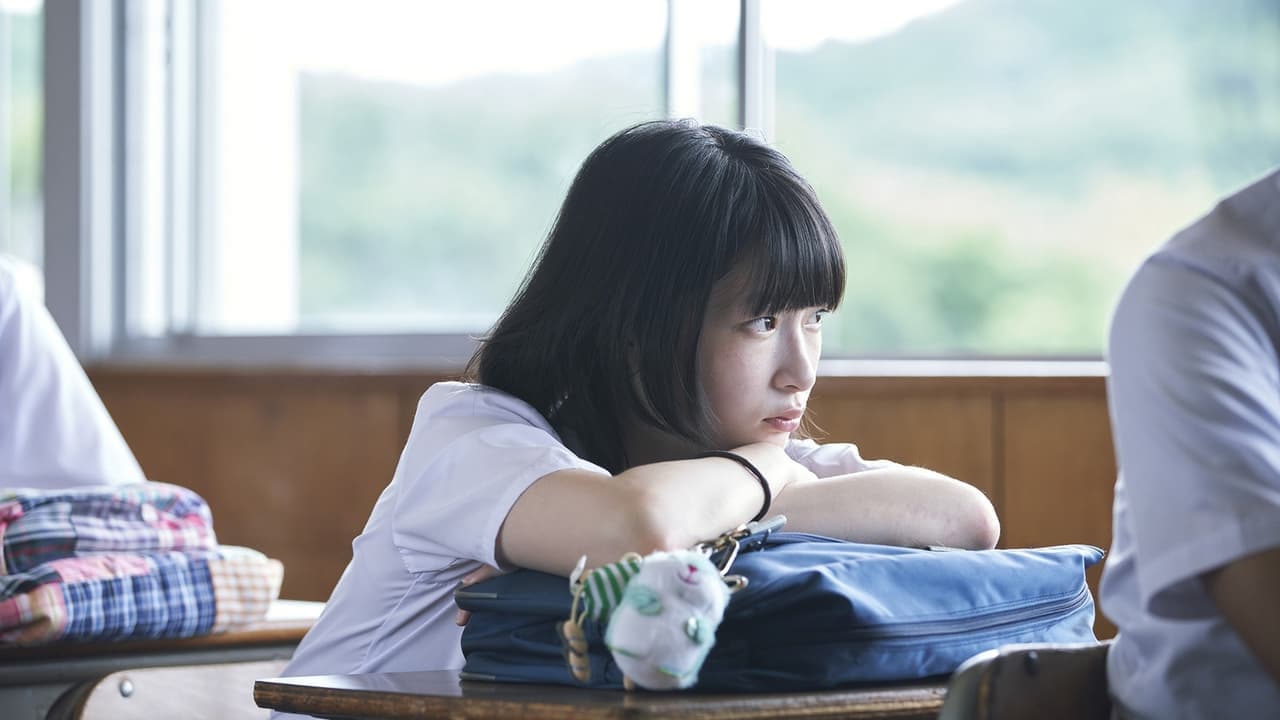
[[606, 324]]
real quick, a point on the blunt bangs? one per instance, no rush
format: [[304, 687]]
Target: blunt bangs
[[792, 258]]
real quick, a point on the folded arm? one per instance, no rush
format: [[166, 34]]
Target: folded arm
[[671, 505], [900, 505], [660, 506]]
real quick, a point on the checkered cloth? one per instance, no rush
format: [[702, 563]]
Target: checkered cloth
[[122, 562], [38, 526]]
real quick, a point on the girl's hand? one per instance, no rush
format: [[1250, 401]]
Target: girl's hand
[[475, 576]]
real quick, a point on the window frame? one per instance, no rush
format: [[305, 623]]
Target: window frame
[[88, 226], [81, 179], [90, 179]]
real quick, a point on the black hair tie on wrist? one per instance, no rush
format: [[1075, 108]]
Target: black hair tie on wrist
[[764, 484]]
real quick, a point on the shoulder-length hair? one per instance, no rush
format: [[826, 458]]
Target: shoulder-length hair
[[606, 324]]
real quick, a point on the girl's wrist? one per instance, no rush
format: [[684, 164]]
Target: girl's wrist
[[777, 467], [755, 473]]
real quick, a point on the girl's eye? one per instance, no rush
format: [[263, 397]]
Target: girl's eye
[[816, 317], [763, 324]]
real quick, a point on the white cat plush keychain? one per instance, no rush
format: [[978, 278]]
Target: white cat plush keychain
[[661, 610]]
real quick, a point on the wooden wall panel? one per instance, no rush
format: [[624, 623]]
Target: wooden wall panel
[[292, 461], [949, 432], [1059, 468], [1060, 471], [164, 427], [289, 470]]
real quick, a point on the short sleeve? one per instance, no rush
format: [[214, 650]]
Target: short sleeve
[[832, 459], [1195, 402], [473, 450]]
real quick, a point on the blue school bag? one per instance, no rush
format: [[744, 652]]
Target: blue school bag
[[816, 613]]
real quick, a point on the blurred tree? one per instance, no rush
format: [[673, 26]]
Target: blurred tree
[[994, 170]]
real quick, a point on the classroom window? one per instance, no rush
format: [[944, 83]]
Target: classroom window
[[20, 117], [392, 166], [387, 169], [997, 169]]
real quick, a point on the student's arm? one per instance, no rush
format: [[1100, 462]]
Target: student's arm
[[662, 506], [899, 505], [1247, 593]]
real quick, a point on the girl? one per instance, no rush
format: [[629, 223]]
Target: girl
[[675, 309]]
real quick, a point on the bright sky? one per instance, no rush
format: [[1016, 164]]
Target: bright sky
[[439, 42], [429, 43], [22, 7]]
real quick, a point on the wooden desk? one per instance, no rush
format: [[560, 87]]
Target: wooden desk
[[440, 694], [34, 679]]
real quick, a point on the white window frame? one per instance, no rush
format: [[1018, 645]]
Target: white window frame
[[81, 172]]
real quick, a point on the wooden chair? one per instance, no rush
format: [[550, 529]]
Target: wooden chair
[[1031, 682]]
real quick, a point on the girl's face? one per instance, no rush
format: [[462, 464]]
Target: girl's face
[[757, 371]]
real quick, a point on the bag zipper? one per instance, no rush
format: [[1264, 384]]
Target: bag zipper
[[931, 628]]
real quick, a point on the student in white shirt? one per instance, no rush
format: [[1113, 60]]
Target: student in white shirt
[[676, 308], [54, 431], [1193, 581]]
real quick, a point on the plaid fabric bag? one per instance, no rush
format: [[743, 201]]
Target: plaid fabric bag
[[38, 526], [114, 563]]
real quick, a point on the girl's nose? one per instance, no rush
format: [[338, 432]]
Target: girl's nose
[[798, 367]]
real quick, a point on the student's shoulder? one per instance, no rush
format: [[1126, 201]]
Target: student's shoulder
[[475, 420], [1237, 240], [1217, 276], [454, 399]]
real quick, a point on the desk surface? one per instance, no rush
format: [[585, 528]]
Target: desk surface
[[440, 694], [285, 624], [34, 680]]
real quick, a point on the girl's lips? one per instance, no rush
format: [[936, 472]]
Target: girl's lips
[[782, 424]]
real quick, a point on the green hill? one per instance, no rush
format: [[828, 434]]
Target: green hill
[[995, 170]]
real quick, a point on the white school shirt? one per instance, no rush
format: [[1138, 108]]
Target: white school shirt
[[1195, 406], [54, 431], [472, 451]]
